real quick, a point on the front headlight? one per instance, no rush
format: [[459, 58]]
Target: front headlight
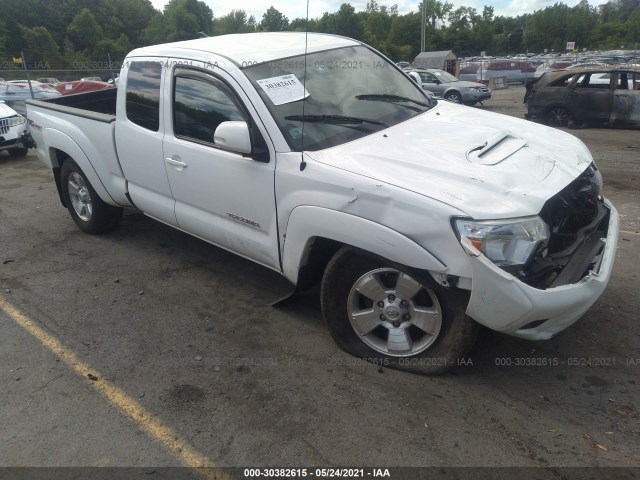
[[16, 120], [507, 243]]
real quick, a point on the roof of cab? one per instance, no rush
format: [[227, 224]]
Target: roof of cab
[[251, 48]]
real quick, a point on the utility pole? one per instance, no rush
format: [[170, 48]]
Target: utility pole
[[423, 27]]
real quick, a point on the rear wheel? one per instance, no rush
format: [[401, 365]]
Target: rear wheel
[[87, 209], [391, 315], [558, 117], [18, 152]]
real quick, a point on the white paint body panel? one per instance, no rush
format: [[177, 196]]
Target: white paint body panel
[[248, 49], [428, 155], [393, 193]]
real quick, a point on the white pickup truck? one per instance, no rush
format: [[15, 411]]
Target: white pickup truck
[[315, 156]]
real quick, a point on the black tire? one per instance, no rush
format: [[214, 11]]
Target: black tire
[[18, 151], [559, 117], [438, 352], [453, 97], [88, 210]]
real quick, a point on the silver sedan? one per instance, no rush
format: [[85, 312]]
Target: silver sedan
[[443, 84]]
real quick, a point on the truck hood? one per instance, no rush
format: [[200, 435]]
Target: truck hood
[[484, 164]]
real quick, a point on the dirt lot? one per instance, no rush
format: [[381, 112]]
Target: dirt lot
[[149, 348]]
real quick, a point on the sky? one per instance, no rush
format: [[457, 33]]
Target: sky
[[297, 8]]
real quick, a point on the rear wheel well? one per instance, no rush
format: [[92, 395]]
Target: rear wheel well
[[57, 159]]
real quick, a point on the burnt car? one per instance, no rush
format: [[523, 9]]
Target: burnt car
[[604, 96]]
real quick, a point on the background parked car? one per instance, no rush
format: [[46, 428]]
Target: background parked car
[[514, 71], [48, 80], [443, 84], [15, 92], [605, 96], [13, 131], [81, 86]]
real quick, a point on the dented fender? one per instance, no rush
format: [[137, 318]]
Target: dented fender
[[308, 222]]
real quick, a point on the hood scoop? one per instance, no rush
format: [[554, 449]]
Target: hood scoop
[[496, 149]]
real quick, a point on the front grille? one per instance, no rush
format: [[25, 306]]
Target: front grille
[[4, 126], [578, 220]]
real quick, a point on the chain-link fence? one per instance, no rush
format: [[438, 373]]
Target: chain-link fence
[[14, 67], [22, 78]]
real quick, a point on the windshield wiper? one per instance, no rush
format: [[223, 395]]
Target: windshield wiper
[[384, 97], [334, 120]]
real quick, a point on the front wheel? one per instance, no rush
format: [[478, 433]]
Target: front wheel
[[88, 210], [391, 315], [558, 117], [453, 97]]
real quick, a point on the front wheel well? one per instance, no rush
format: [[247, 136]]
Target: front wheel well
[[319, 251]]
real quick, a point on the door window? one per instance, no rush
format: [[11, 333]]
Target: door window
[[628, 81], [428, 78], [594, 80], [200, 105], [143, 94]]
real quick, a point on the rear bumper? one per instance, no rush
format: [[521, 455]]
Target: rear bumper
[[503, 303]]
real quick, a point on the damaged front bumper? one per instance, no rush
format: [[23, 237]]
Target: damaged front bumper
[[504, 303]]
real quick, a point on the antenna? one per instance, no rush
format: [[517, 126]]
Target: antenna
[[303, 164]]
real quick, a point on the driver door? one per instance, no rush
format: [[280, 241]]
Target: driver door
[[221, 196], [431, 83]]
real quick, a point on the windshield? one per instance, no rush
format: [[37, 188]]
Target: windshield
[[349, 93], [445, 77]]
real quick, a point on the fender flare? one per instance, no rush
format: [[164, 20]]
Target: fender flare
[[308, 222], [57, 140]]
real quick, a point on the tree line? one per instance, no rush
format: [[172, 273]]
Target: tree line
[[69, 32]]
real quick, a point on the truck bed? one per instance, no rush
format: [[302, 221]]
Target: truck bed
[[99, 105]]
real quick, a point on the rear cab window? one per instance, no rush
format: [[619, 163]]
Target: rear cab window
[[143, 94]]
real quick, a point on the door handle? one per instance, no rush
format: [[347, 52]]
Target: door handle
[[176, 162]]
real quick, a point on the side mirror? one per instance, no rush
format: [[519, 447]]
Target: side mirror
[[233, 136]]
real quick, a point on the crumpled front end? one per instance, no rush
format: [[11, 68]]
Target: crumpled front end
[[562, 279]]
